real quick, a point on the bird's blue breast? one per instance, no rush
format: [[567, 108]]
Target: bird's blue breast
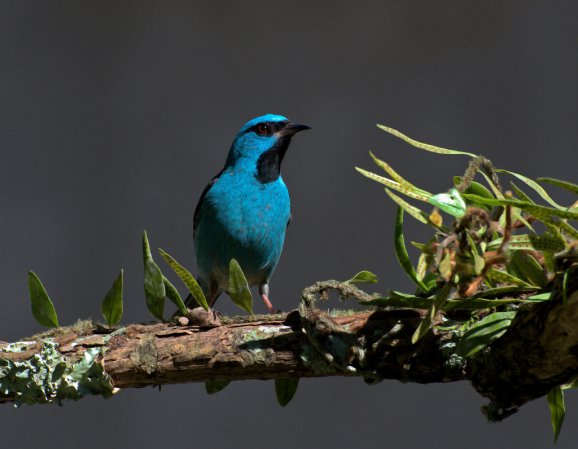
[[244, 219]]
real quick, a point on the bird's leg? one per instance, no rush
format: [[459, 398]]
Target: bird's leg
[[264, 292]]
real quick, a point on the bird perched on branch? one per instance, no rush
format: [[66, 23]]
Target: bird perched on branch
[[244, 210]]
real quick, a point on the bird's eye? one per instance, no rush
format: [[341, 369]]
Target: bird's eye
[[263, 129]]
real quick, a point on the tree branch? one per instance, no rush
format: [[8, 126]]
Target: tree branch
[[538, 352]]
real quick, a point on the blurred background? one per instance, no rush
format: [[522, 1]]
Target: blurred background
[[115, 114]]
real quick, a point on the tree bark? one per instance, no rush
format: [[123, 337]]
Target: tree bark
[[539, 351]]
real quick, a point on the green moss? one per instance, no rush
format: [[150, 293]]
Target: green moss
[[48, 377], [311, 358]]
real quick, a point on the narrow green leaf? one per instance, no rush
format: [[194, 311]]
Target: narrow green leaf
[[239, 290], [521, 194], [417, 302], [397, 299], [534, 185], [474, 188], [397, 177], [146, 248], [557, 410], [451, 203], [363, 277], [153, 281], [479, 261], [563, 226], [401, 251], [523, 266], [498, 291], [154, 288], [498, 194], [285, 389], [478, 303], [421, 145], [421, 267], [173, 295], [559, 183], [416, 213], [214, 386], [392, 184], [112, 307], [484, 332], [534, 209], [565, 287], [540, 297], [437, 304], [187, 278], [506, 278], [42, 307], [423, 247], [545, 242]]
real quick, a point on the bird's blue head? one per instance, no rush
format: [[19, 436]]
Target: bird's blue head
[[260, 145]]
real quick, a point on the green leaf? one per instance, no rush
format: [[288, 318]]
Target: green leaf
[[239, 290], [546, 242], [479, 261], [112, 306], [363, 277], [484, 332], [421, 145], [436, 305], [562, 184], [173, 295], [525, 267], [540, 297], [154, 288], [42, 307], [421, 269], [497, 291], [214, 386], [534, 185], [397, 177], [534, 209], [557, 410], [497, 192], [563, 226], [146, 248], [417, 302], [521, 194], [416, 213], [401, 251], [451, 203], [506, 278], [285, 389], [478, 303], [393, 185], [187, 278], [565, 287], [474, 188]]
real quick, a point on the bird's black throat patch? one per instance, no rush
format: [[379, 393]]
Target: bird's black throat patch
[[269, 163]]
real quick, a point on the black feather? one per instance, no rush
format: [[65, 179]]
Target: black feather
[[197, 215], [269, 163]]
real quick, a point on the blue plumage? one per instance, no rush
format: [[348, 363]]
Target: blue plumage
[[244, 211]]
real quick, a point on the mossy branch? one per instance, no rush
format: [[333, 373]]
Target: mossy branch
[[537, 353]]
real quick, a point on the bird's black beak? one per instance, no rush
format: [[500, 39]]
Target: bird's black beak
[[290, 129]]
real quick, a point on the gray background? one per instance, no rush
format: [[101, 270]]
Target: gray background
[[114, 115]]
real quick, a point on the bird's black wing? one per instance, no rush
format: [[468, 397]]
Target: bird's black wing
[[196, 216]]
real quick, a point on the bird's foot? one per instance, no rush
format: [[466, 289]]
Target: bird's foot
[[268, 304], [201, 317]]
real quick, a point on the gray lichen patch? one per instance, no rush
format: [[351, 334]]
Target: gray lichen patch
[[48, 377], [146, 354]]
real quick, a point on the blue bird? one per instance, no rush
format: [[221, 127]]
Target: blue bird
[[244, 210]]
